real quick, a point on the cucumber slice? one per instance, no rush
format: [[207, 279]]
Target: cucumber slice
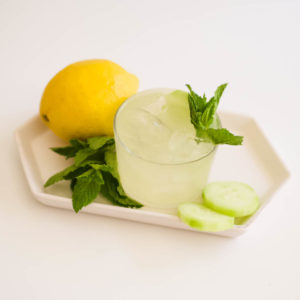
[[202, 218], [231, 198]]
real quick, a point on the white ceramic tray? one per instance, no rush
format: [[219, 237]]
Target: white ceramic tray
[[255, 163]]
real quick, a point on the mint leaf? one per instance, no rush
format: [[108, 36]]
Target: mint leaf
[[87, 173], [211, 106], [70, 151], [78, 143], [101, 167], [110, 158], [111, 191], [60, 175], [121, 190], [202, 116], [95, 168], [209, 112], [197, 106], [97, 147], [77, 172], [195, 101], [72, 184], [86, 189], [83, 154], [99, 141], [219, 92], [223, 136]]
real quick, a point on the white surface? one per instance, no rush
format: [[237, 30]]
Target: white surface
[[48, 253], [267, 172]]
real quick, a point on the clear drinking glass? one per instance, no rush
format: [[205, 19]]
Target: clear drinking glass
[[155, 182]]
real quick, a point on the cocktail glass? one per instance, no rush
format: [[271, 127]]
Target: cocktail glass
[[158, 183]]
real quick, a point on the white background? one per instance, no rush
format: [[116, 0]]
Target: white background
[[47, 253]]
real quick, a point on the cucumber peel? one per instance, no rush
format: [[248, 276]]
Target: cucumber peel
[[231, 198], [197, 216]]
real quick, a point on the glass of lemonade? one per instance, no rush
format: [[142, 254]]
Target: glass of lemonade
[[160, 163]]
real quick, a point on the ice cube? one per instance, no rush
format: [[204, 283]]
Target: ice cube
[[157, 106], [146, 135], [184, 148]]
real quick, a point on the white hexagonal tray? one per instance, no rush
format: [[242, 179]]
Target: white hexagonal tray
[[255, 163]]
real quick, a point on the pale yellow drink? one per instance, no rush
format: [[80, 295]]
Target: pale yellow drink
[[159, 161]]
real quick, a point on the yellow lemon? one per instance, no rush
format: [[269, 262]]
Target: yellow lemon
[[81, 100]]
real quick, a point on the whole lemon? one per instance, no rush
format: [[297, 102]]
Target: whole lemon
[[81, 100]]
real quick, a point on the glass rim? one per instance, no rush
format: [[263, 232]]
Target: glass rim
[[129, 151]]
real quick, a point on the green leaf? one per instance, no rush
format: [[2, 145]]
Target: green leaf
[[70, 151], [223, 136], [77, 172], [79, 144], [111, 160], [73, 183], [219, 92], [121, 190], [212, 105], [196, 101], [111, 190], [197, 105], [202, 118], [60, 175], [86, 189], [83, 154], [209, 112], [89, 172], [100, 167], [99, 141], [93, 157]]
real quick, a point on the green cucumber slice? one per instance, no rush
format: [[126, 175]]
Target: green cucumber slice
[[231, 198], [202, 218]]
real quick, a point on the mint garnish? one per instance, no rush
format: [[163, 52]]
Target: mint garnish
[[86, 188], [94, 171], [202, 116]]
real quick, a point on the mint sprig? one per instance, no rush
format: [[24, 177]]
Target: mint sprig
[[87, 187], [94, 171], [202, 115]]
